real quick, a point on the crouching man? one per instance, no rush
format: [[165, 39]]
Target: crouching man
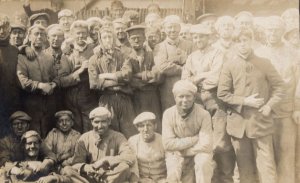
[[101, 155], [187, 137]]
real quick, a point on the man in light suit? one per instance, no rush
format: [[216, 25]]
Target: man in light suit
[[252, 87]]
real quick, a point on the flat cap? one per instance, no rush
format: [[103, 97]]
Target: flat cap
[[136, 29], [64, 113], [37, 15], [18, 25], [65, 13], [100, 112], [144, 116], [30, 133], [184, 85], [120, 21], [199, 29], [224, 19], [172, 19], [20, 115], [206, 16]]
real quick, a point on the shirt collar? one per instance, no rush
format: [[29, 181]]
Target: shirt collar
[[173, 42]]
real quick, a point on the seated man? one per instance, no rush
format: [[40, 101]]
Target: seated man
[[62, 140], [10, 146], [101, 155], [148, 149], [28, 169], [187, 137]]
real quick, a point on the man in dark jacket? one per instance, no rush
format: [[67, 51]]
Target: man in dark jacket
[[9, 90]]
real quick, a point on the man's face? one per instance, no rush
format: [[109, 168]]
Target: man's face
[[80, 35], [117, 12], [147, 130], [32, 146], [210, 24], [107, 39], [4, 31], [201, 40], [17, 36], [65, 123], [185, 34], [120, 30], [94, 32], [274, 34], [66, 22], [41, 21], [20, 127], [244, 22], [293, 37], [56, 38], [172, 30], [153, 39], [137, 40], [55, 5], [226, 29], [101, 125], [244, 45], [37, 37], [184, 100]]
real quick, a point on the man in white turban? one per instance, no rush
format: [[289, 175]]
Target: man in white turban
[[187, 137]]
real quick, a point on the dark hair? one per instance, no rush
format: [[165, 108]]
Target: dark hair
[[242, 32]]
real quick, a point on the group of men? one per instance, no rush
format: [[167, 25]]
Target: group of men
[[114, 100]]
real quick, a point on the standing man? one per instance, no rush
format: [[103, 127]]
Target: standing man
[[117, 9], [222, 49], [144, 76], [169, 57], [37, 78], [287, 112], [122, 43], [252, 87], [187, 137], [78, 97], [55, 8], [9, 90], [65, 18]]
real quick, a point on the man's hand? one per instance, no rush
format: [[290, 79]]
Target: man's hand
[[44, 167], [108, 76], [112, 160], [89, 170], [265, 110], [84, 65], [296, 117], [16, 171], [46, 88], [30, 54], [199, 78], [252, 101]]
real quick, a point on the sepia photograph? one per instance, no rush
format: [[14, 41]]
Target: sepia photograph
[[149, 91]]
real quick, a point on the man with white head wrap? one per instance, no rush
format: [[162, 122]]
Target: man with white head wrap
[[9, 90], [169, 57], [187, 137], [287, 112]]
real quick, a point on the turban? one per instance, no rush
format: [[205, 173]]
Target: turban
[[184, 85], [65, 13]]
